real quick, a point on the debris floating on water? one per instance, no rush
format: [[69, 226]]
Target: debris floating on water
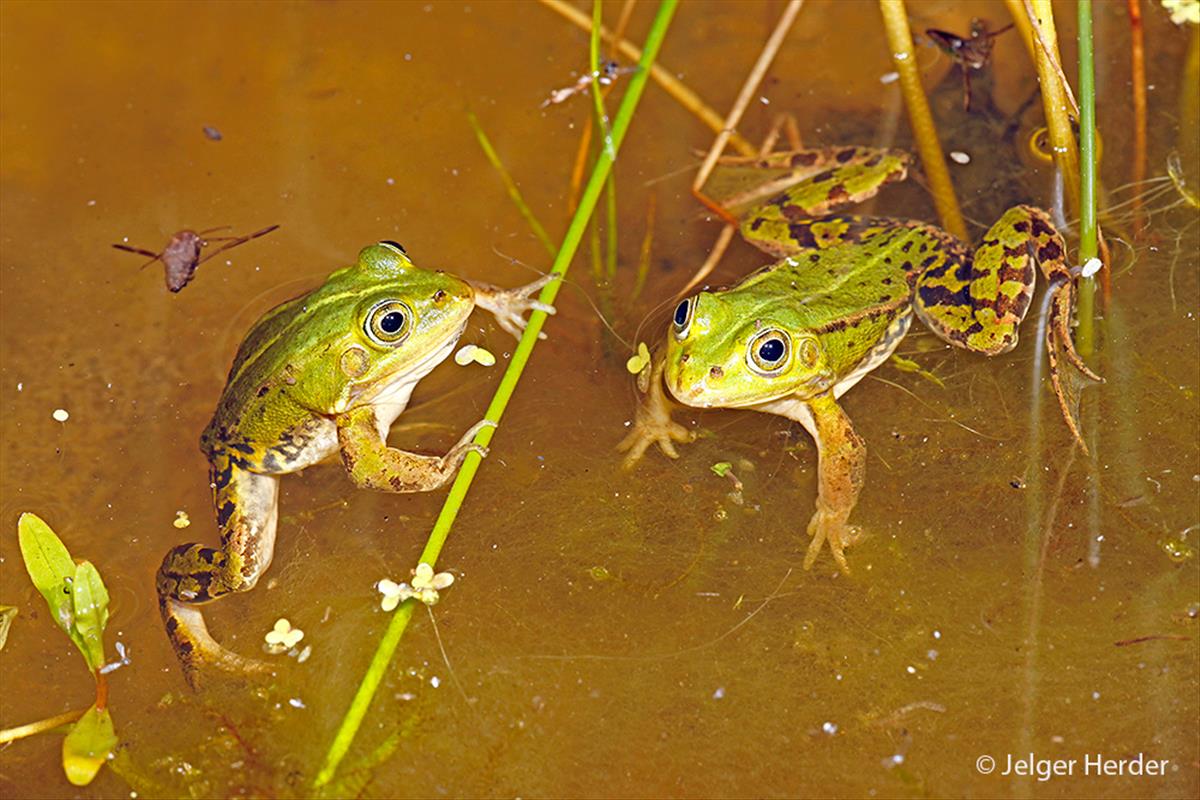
[[959, 157], [60, 415], [469, 352], [212, 133], [608, 72], [181, 520]]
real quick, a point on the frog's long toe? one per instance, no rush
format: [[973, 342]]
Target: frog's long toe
[[648, 431], [831, 527]]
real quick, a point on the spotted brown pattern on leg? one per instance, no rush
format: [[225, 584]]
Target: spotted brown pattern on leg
[[978, 300], [371, 464], [245, 504]]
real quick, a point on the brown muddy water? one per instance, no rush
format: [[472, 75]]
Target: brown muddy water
[[610, 633]]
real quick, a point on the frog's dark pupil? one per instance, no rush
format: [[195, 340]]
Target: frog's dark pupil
[[771, 350], [396, 245], [681, 313], [392, 322]]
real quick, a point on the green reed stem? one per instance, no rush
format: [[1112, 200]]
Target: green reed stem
[[510, 185], [1084, 334], [508, 384]]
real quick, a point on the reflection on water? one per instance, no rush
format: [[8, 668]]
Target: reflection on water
[[610, 633]]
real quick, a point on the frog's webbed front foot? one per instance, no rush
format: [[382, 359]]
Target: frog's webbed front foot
[[509, 305], [371, 464], [652, 424]]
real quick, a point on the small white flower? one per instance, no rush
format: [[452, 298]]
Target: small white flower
[[392, 593], [425, 587], [282, 637]]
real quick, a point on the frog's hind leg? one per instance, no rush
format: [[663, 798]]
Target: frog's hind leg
[[247, 510], [977, 301], [819, 181]]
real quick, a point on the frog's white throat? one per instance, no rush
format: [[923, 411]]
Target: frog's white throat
[[391, 399]]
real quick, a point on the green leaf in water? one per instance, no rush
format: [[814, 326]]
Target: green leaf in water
[[91, 613], [88, 746], [50, 568], [75, 593], [7, 615], [721, 468]]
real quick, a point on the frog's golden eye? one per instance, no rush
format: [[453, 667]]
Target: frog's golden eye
[[681, 323], [388, 322], [768, 352]]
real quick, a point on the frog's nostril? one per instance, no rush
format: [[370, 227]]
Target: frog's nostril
[[683, 359], [716, 372], [439, 295]]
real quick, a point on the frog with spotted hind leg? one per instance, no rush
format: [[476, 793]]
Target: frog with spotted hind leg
[[327, 372], [793, 337]]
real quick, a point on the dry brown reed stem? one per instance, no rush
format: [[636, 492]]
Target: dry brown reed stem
[[682, 94], [895, 22], [1138, 76], [1055, 104], [580, 166], [1016, 10], [1047, 40], [757, 72], [622, 24], [749, 86]]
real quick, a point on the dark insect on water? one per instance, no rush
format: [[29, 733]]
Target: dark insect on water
[[182, 255], [969, 53]]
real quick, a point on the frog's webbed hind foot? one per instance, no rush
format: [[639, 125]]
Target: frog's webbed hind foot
[[198, 651], [830, 526]]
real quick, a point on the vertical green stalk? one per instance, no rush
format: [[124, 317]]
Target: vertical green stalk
[[1084, 334], [508, 383]]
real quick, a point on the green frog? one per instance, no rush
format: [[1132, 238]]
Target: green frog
[[327, 372], [793, 337]]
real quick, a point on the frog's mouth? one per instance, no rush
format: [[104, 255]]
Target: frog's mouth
[[701, 394]]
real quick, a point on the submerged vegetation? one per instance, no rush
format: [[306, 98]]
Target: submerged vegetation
[[78, 603]]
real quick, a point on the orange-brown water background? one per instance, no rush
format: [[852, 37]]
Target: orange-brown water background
[[611, 633]]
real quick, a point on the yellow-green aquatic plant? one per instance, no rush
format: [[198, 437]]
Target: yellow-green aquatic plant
[[78, 603]]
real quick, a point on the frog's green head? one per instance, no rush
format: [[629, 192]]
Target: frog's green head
[[383, 322], [722, 354]]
